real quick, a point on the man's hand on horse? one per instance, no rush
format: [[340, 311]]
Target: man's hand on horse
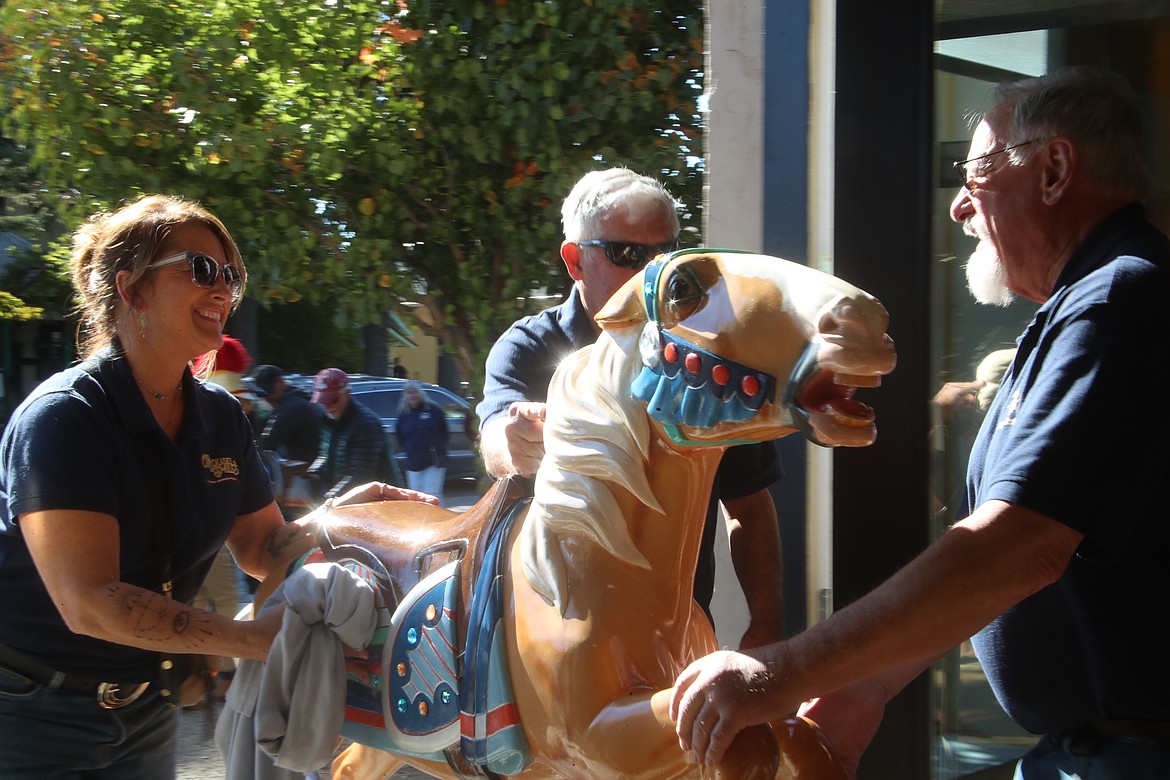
[[525, 433], [717, 697]]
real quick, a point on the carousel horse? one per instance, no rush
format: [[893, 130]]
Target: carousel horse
[[541, 637]]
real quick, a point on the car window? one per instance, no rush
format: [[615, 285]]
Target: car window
[[383, 402]]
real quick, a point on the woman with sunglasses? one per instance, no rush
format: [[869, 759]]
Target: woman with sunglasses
[[120, 479]]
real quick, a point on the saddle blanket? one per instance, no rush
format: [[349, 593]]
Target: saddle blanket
[[409, 699]]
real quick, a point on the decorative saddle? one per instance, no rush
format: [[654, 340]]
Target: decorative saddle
[[436, 684]]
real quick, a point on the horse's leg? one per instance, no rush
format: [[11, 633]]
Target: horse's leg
[[637, 733], [635, 737], [359, 762], [806, 752]]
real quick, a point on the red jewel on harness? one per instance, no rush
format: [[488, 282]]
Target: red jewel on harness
[[721, 374], [694, 363], [750, 386], [670, 352]]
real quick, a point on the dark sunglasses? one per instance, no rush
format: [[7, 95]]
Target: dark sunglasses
[[204, 270], [626, 254]]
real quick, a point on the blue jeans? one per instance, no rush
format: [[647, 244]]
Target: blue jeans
[[1113, 761], [46, 735]]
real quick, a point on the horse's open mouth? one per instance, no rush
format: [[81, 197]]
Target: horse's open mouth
[[823, 394], [832, 416]]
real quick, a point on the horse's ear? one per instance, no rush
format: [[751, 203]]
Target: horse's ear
[[625, 308]]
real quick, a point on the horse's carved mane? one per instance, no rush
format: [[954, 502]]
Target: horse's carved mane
[[597, 438]]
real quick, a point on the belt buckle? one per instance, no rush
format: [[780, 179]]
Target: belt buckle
[[108, 697]]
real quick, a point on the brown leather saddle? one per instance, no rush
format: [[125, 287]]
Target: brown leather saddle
[[402, 549], [439, 574]]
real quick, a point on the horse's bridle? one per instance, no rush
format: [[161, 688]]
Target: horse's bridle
[[684, 384]]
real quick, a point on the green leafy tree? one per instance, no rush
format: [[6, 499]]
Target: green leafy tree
[[34, 277], [386, 151]]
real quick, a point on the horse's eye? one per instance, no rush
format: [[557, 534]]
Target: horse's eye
[[684, 295]]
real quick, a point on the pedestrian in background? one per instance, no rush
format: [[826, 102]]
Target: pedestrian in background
[[422, 434], [357, 450], [290, 440]]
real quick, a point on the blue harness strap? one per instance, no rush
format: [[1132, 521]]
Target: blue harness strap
[[683, 384], [491, 733]]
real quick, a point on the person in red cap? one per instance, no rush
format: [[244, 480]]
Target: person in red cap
[[357, 450]]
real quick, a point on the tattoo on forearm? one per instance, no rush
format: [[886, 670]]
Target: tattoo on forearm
[[154, 617], [283, 538]]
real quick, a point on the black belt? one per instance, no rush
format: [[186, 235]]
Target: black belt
[[109, 695], [1087, 741]]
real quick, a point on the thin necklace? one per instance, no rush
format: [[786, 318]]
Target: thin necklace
[[158, 395]]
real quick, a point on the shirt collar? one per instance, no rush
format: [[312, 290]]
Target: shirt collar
[[1094, 249]]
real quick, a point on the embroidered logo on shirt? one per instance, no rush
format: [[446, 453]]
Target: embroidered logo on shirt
[[1009, 412], [222, 469]]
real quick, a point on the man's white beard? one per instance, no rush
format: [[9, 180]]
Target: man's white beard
[[986, 278]]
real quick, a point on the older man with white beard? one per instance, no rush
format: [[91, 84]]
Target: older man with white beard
[[1057, 569]]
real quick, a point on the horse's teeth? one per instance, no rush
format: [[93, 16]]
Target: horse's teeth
[[858, 380]]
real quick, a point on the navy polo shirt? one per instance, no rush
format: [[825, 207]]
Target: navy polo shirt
[[1078, 433], [520, 366], [86, 440]]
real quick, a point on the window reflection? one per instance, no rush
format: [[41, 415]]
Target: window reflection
[[980, 44]]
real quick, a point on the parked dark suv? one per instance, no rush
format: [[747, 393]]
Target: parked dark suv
[[384, 394]]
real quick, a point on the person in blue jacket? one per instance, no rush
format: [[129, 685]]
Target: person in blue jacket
[[422, 434]]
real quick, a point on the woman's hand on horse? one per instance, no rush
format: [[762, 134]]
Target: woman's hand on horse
[[380, 491], [718, 696]]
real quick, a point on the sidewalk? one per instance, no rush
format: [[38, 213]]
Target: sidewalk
[[199, 758]]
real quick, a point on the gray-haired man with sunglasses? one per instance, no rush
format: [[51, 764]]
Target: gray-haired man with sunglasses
[[615, 221]]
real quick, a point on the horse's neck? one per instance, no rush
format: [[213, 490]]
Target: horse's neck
[[681, 480], [611, 489]]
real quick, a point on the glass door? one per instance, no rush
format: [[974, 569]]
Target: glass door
[[980, 43]]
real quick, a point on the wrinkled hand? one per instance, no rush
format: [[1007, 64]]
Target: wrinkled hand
[[718, 696], [524, 432], [380, 491]]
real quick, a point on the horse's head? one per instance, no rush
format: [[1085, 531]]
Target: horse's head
[[739, 347]]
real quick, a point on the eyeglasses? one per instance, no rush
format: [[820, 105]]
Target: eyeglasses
[[966, 174], [204, 270], [626, 254]]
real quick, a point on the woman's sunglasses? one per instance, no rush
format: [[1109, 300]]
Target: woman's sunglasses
[[627, 254], [204, 270]]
